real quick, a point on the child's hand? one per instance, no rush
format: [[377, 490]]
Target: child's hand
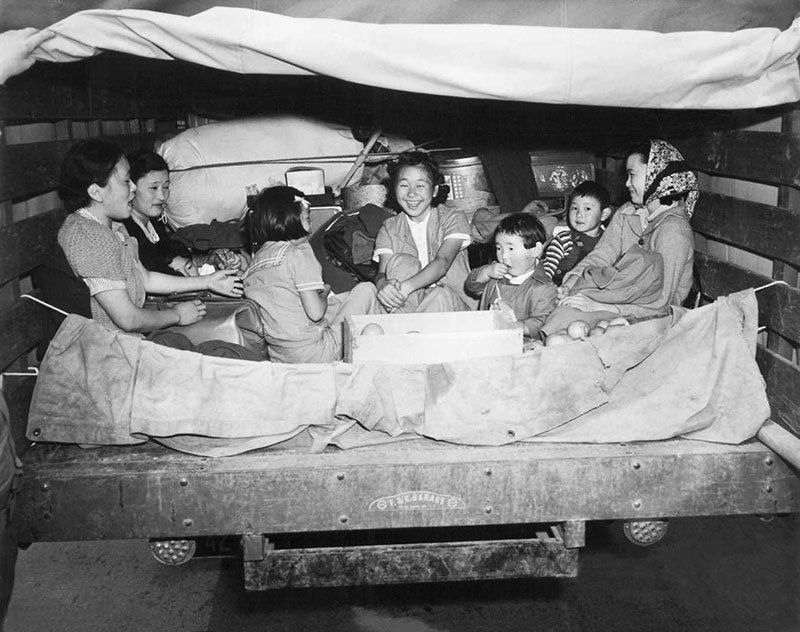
[[390, 295], [190, 311], [496, 270], [225, 259], [325, 292], [226, 282]]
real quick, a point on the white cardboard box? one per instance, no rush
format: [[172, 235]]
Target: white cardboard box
[[309, 180], [431, 338]]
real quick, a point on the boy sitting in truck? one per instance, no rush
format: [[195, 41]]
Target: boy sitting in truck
[[588, 209], [516, 283]]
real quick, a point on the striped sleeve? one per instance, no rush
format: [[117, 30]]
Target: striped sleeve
[[559, 247]]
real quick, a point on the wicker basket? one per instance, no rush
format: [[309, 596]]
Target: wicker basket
[[358, 195]]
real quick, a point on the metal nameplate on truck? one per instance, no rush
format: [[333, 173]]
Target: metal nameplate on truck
[[417, 499]]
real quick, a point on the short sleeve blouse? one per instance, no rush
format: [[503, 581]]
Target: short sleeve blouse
[[105, 258]]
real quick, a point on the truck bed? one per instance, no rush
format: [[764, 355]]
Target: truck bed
[[148, 491]]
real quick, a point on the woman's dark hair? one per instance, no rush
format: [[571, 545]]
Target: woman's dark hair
[[276, 216], [669, 200], [143, 161], [641, 149], [87, 162], [525, 226], [423, 161]]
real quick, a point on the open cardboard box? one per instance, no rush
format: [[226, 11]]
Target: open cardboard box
[[430, 338]]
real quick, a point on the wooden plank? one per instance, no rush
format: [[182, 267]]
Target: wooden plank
[[769, 157], [614, 182], [127, 493], [787, 198], [778, 306], [154, 457], [410, 563], [17, 392], [48, 92], [28, 169], [24, 243], [770, 231], [775, 341], [111, 86], [783, 388], [21, 329]]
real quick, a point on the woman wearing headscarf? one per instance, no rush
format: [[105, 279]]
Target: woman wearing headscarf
[[643, 262]]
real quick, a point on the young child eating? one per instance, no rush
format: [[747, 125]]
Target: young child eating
[[421, 252], [516, 279], [589, 207], [303, 321]]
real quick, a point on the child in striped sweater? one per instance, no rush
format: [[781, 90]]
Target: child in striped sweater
[[589, 208]]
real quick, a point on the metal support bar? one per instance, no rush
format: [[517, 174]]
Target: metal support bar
[[31, 372]]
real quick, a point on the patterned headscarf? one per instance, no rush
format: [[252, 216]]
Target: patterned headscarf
[[668, 174]]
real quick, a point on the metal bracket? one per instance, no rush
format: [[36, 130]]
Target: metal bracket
[[573, 532], [31, 372], [255, 547]]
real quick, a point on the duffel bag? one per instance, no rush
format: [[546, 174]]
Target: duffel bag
[[233, 320]]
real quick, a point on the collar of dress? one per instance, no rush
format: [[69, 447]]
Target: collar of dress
[[521, 278], [647, 219], [87, 214], [148, 229]]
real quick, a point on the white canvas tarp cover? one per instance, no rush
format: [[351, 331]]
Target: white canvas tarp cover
[[692, 374], [749, 68]]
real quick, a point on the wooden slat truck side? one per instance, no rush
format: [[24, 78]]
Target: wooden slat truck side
[[388, 514]]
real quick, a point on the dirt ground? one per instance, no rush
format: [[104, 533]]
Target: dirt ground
[[709, 574]]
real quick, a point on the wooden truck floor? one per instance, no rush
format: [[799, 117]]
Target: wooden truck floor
[[148, 491]]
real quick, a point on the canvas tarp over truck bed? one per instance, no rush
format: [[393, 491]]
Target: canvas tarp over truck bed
[[743, 69]]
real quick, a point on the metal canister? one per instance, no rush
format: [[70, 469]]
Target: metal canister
[[464, 174]]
